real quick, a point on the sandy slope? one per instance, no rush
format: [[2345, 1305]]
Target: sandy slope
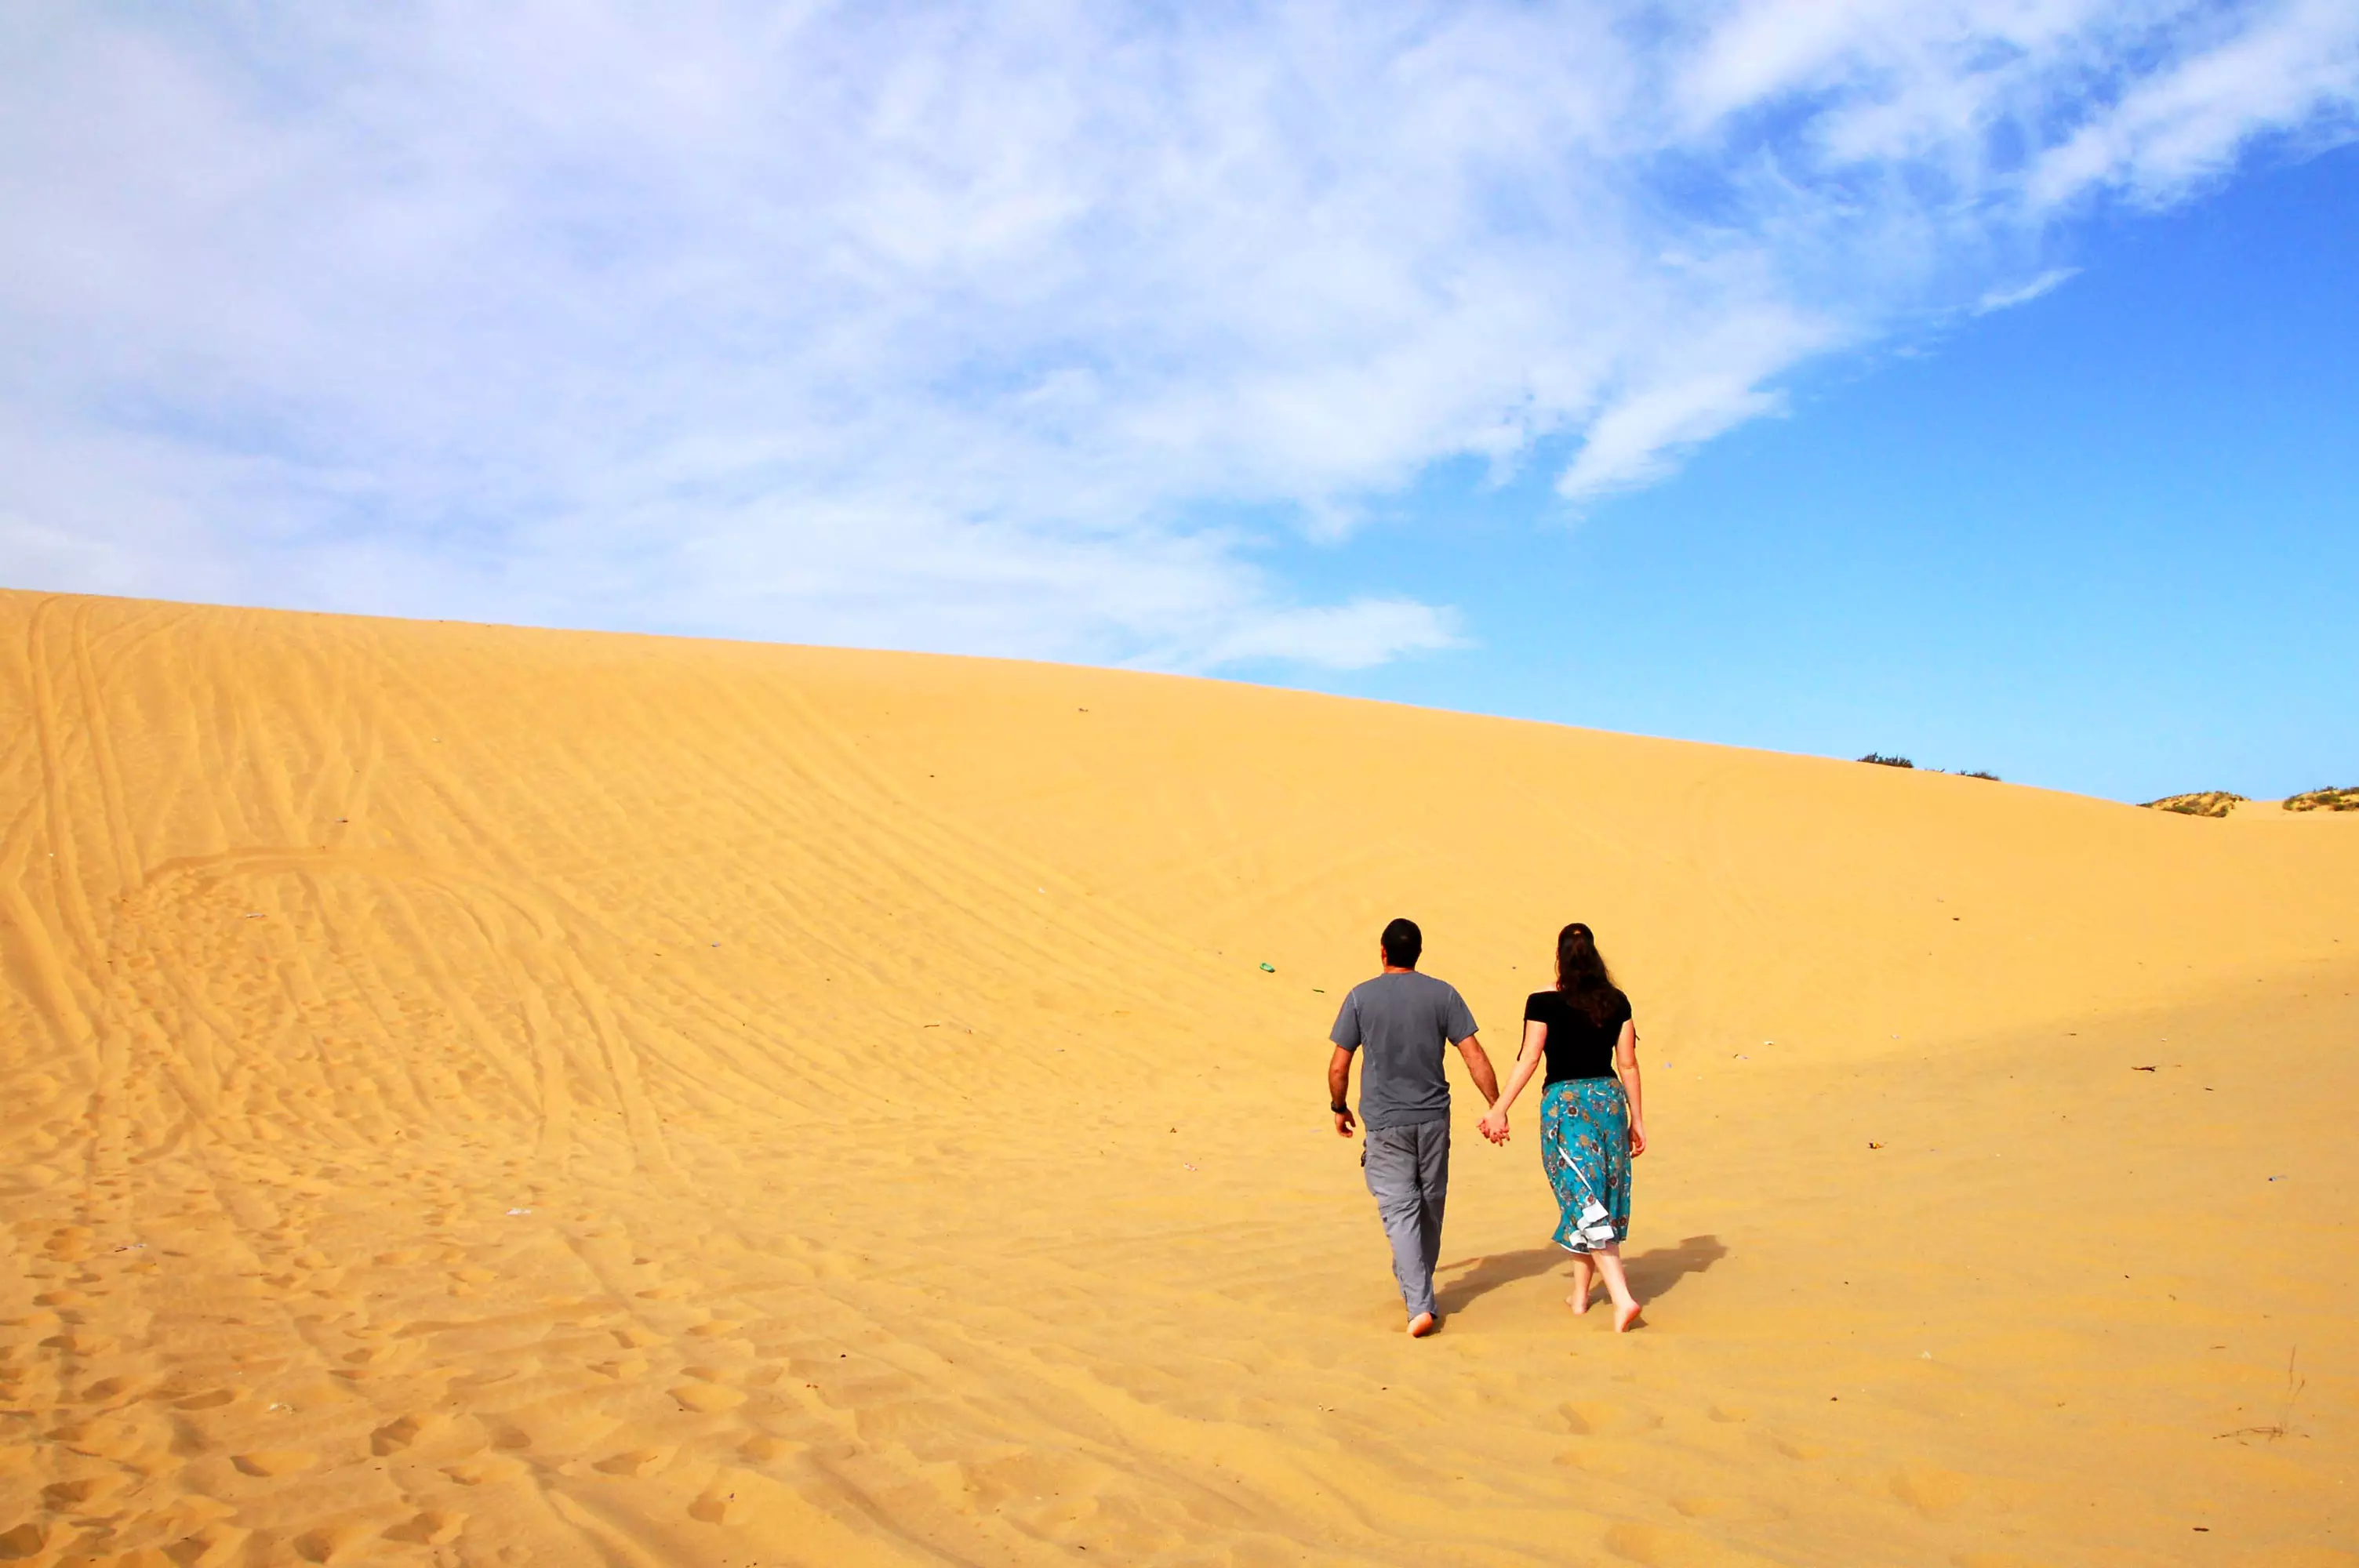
[[481, 1095]]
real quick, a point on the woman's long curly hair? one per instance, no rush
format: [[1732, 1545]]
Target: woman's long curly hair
[[1581, 974]]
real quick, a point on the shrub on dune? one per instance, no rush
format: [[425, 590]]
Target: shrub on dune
[[2203, 803]]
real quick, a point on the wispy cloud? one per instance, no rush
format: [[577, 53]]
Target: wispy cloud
[[960, 327], [2007, 298]]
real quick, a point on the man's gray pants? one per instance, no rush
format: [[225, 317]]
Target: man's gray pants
[[1408, 1171]]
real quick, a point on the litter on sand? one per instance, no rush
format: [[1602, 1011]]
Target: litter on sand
[[1270, 968], [519, 1211]]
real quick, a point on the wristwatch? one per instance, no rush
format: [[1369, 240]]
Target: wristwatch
[[1339, 1108]]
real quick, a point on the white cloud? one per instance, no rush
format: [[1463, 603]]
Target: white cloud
[[960, 327], [2006, 297], [2293, 70], [1344, 637]]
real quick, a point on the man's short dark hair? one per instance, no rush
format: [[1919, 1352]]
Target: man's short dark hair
[[1403, 941]]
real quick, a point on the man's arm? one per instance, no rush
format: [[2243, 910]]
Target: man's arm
[[1478, 1065], [1339, 1087]]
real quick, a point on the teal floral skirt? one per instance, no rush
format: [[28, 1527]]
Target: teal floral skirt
[[1585, 1150]]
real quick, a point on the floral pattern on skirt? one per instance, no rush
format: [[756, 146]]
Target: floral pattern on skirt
[[1585, 1151]]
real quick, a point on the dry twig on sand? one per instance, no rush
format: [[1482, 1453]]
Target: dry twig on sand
[[2283, 1425]]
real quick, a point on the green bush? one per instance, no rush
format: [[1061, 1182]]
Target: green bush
[[2203, 803], [2325, 800]]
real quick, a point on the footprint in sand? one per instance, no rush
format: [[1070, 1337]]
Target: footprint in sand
[[637, 1462], [432, 1528], [766, 1450], [74, 1497], [274, 1460], [400, 1433], [211, 1399], [324, 1545], [485, 1472], [1596, 1419], [68, 1245], [24, 1540], [214, 1546], [123, 1436], [1932, 1491], [1657, 1547], [707, 1398]]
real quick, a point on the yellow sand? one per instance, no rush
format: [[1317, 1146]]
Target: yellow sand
[[485, 1095]]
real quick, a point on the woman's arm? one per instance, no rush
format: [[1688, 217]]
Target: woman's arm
[[1626, 1067], [1527, 1062]]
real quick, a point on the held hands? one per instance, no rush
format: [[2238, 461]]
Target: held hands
[[1495, 1125]]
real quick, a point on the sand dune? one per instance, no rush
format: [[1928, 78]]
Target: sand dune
[[477, 1095]]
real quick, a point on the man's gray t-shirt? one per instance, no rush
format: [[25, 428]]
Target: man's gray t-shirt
[[1404, 1020]]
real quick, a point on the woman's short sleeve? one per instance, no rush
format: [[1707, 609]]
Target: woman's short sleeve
[[1536, 1008]]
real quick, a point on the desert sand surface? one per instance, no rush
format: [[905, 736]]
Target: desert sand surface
[[480, 1096]]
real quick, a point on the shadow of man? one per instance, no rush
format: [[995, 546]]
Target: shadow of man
[[1652, 1272]]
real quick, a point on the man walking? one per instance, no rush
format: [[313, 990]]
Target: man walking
[[1404, 1019]]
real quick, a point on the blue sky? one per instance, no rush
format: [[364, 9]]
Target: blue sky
[[1959, 377], [2106, 541]]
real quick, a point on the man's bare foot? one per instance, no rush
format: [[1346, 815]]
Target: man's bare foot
[[1624, 1317], [1578, 1300], [1421, 1325]]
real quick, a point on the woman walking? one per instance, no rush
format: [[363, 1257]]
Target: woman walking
[[1592, 1117]]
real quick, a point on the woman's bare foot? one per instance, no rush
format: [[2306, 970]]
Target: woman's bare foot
[[1421, 1325], [1579, 1300], [1624, 1316]]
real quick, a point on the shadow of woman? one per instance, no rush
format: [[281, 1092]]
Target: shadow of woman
[[1652, 1272]]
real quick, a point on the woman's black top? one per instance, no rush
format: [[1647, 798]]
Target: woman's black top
[[1578, 1048]]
